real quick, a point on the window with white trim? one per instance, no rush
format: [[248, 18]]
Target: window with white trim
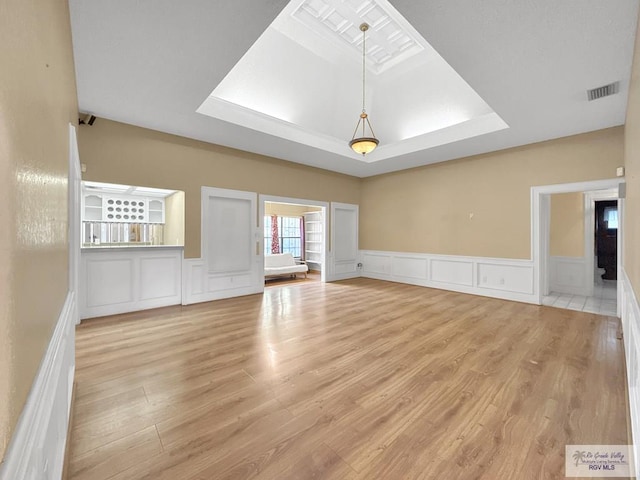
[[289, 235]]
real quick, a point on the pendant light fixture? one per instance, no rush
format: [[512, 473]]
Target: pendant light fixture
[[366, 143]]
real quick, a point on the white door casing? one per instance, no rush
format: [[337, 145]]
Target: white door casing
[[539, 219], [297, 201], [545, 228], [344, 241], [74, 235]]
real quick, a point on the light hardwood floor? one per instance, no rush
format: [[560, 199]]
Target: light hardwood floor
[[276, 282], [361, 379]]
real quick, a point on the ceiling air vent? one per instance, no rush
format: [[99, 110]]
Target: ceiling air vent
[[604, 91]]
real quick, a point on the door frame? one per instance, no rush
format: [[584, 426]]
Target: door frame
[[590, 199], [540, 221], [75, 216], [262, 199]]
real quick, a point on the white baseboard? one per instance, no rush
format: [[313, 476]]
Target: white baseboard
[[630, 317], [509, 279], [36, 451], [569, 275]]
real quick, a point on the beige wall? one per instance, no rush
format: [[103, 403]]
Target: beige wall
[[119, 153], [286, 210], [474, 206], [632, 174], [37, 102], [174, 219], [567, 225], [478, 206]]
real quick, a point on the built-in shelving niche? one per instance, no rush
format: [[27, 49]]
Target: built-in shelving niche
[[129, 215]]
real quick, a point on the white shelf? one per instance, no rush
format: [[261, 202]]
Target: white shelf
[[313, 242], [122, 209], [156, 211]]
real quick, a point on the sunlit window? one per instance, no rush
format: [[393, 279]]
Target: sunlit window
[[611, 217], [289, 235]]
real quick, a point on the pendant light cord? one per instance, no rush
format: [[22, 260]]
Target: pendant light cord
[[365, 144], [364, 49]]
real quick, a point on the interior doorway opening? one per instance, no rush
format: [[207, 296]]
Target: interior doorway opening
[[606, 241], [294, 236], [579, 247]]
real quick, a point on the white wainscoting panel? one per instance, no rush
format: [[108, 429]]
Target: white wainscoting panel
[[453, 271], [569, 275], [495, 276], [229, 282], [196, 277], [36, 451], [115, 277], [410, 267], [119, 280], [201, 286], [491, 277], [153, 268], [630, 317], [376, 264], [345, 269]]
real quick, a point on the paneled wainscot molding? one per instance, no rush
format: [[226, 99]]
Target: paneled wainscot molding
[[123, 280], [630, 316], [569, 275], [490, 277], [36, 451], [201, 286]]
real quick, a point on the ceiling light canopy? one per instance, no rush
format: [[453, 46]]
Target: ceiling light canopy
[[366, 143]]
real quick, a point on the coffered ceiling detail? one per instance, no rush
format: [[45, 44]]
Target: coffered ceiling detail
[[387, 41]]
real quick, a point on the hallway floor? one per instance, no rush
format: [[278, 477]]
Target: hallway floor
[[602, 302]]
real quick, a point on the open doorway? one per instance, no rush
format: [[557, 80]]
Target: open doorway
[[582, 252], [603, 241], [606, 241], [294, 238]]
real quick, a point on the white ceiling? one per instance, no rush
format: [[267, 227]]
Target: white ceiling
[[414, 98], [467, 68]]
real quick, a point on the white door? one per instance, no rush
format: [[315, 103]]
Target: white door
[[344, 241], [231, 243]]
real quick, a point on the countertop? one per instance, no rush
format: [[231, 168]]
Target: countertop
[[102, 248]]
